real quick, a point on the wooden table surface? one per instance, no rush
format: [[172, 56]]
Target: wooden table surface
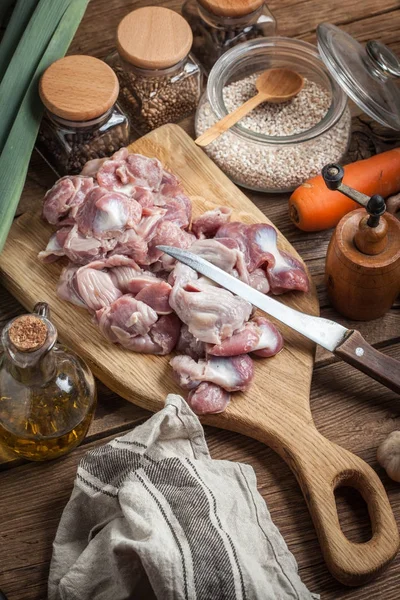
[[348, 407]]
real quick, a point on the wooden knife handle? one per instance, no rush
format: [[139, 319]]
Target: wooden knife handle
[[361, 355], [320, 468]]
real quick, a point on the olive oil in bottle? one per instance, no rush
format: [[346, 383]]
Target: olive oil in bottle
[[47, 393]]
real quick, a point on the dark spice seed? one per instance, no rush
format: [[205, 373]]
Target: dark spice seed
[[68, 149], [214, 36]]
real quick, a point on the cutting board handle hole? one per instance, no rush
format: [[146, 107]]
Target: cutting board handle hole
[[356, 526]]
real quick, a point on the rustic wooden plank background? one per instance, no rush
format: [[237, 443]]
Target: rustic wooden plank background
[[348, 408]]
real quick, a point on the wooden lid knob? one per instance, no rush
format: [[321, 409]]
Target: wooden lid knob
[[154, 37], [79, 88], [27, 333], [231, 8], [371, 240]]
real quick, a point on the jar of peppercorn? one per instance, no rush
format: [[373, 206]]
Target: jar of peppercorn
[[218, 25], [160, 82], [82, 120]]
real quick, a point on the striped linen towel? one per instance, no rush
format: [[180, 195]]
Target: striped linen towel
[[152, 516]]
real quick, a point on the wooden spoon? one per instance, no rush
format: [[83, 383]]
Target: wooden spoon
[[274, 85]]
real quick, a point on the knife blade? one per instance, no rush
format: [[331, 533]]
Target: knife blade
[[348, 344], [324, 332]]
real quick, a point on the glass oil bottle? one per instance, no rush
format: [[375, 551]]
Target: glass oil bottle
[[47, 393]]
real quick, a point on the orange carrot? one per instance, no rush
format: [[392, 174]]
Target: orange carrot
[[312, 207]]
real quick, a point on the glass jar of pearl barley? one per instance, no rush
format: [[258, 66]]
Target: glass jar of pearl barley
[[82, 120], [160, 82], [276, 147]]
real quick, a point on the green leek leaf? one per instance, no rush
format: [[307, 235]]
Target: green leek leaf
[[25, 60], [14, 159], [5, 8], [19, 21]]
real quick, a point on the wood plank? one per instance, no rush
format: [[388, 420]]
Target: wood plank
[[96, 34], [304, 16], [371, 410], [386, 586], [9, 307], [284, 497], [28, 523], [383, 27]]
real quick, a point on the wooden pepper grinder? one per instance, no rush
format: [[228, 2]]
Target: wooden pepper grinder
[[362, 271]]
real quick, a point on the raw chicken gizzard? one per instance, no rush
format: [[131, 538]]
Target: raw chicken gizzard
[[109, 221]]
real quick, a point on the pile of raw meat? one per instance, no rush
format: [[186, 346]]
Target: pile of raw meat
[[110, 220]]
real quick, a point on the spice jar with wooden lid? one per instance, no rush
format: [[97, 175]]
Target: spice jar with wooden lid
[[218, 25], [82, 120], [47, 392], [160, 81]]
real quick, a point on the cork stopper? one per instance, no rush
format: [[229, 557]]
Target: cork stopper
[[154, 37], [231, 8], [79, 88], [28, 333]]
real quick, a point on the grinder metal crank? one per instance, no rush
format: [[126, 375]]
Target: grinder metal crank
[[363, 260]]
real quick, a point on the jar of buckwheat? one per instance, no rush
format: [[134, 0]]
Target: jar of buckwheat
[[160, 81]]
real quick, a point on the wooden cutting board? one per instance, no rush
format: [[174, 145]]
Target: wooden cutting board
[[275, 410]]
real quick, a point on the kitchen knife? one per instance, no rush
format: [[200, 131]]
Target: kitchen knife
[[347, 344]]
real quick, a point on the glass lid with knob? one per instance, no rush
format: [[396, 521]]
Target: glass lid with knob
[[369, 75]]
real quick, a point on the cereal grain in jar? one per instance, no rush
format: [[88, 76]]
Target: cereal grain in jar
[[276, 147], [160, 81]]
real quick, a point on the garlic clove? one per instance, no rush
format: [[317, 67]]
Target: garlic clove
[[388, 455]]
